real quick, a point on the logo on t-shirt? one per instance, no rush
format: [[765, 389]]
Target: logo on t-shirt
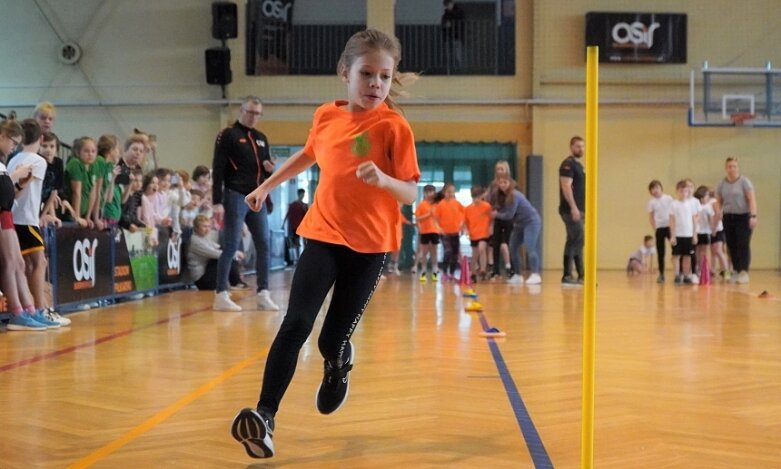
[[361, 145]]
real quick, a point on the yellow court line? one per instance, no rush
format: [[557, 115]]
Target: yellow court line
[[158, 418]]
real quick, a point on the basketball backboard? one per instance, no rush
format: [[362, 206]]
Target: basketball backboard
[[732, 97]]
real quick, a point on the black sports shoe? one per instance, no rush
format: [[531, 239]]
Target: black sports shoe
[[254, 430], [336, 384]]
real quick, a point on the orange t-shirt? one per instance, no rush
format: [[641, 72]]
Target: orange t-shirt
[[346, 210], [477, 217], [426, 225], [450, 215]]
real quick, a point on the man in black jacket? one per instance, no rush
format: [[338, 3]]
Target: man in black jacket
[[241, 162]]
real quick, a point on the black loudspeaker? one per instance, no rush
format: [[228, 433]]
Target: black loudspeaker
[[218, 66], [224, 20]]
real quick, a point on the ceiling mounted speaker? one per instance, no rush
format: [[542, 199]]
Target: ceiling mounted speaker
[[70, 53]]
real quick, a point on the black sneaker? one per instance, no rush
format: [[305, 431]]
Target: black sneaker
[[336, 384], [254, 430]]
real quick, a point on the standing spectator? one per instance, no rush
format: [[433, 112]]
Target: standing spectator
[[572, 204], [53, 180], [45, 114], [477, 218], [178, 198], [26, 214], [428, 234], [202, 181], [109, 191], [132, 202], [133, 155], [241, 163], [449, 214], [13, 282], [295, 213], [659, 216], [525, 231], [189, 213], [735, 195], [453, 35], [80, 181], [683, 225]]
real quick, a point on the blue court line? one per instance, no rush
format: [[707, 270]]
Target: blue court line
[[537, 451]]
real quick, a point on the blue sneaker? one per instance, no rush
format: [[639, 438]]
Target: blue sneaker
[[41, 318], [25, 322]]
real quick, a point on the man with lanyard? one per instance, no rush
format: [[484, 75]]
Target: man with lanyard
[[241, 162], [572, 199]]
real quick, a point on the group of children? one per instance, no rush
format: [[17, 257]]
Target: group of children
[[499, 217], [691, 223], [101, 185]]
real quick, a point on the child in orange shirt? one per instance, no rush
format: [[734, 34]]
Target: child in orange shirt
[[366, 153], [449, 214], [429, 234], [478, 216]]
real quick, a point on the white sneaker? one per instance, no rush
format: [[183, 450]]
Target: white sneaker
[[742, 277], [53, 315], [223, 302], [695, 279], [515, 280], [534, 279], [265, 302]]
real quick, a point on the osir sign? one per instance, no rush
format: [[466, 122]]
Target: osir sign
[[636, 33]]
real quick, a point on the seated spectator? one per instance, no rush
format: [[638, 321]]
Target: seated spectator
[[80, 182], [53, 180], [202, 256], [131, 205]]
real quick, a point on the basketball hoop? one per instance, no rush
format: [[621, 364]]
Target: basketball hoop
[[740, 119]]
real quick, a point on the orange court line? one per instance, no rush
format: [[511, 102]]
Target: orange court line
[[161, 416]]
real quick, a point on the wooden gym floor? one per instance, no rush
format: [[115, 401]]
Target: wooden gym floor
[[687, 377]]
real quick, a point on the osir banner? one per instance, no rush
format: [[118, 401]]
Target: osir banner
[[83, 264], [170, 257], [637, 37]]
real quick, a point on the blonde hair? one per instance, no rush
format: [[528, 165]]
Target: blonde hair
[[369, 40], [504, 164], [201, 219], [135, 138], [45, 107]]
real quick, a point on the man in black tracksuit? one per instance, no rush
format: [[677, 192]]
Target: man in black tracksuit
[[241, 163]]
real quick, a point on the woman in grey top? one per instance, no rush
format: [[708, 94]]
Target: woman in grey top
[[738, 207]]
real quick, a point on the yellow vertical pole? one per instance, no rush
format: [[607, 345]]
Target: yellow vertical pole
[[590, 282]]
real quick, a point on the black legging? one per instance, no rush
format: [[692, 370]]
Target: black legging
[[503, 230], [208, 280], [450, 243], [662, 236], [354, 277], [738, 234]]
